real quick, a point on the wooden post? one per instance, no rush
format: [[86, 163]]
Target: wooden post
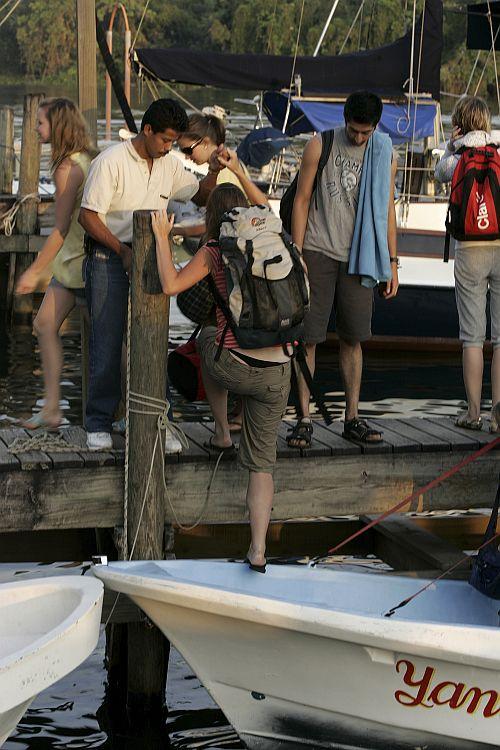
[[6, 149], [87, 63], [27, 216], [147, 648]]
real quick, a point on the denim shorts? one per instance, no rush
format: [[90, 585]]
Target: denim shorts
[[264, 392]]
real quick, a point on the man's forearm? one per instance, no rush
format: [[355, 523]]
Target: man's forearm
[[205, 187]]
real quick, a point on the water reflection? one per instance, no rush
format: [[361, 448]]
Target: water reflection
[[394, 384]]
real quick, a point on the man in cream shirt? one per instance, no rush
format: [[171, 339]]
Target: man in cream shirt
[[135, 174]]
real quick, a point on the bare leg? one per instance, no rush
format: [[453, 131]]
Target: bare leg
[[495, 376], [351, 368], [260, 493], [55, 308], [217, 398], [472, 360]]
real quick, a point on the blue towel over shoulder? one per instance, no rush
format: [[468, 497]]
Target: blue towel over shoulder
[[369, 255]]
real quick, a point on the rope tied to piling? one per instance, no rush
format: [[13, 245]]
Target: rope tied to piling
[[8, 219]]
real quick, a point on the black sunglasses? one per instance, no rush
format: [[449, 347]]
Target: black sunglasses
[[188, 150]]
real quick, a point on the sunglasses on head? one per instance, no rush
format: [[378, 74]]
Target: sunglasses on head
[[188, 150]]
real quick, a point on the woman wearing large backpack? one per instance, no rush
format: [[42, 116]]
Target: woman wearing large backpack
[[477, 265], [260, 376]]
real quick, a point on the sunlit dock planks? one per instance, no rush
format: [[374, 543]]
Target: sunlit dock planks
[[80, 489]]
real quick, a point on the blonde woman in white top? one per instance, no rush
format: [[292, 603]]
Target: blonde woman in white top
[[61, 124]]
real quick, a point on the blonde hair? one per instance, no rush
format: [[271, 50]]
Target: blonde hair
[[471, 113], [68, 130]]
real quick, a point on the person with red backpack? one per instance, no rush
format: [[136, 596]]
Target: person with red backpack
[[471, 163]]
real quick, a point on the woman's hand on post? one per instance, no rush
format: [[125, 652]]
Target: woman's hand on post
[[28, 282], [162, 224]]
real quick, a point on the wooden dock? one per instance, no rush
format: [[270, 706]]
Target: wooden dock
[[82, 489]]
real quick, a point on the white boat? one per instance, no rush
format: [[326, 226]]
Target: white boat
[[48, 626], [304, 657]]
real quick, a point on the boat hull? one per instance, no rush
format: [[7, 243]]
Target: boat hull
[[48, 626], [284, 684]]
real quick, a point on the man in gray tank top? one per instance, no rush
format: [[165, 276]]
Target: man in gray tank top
[[322, 227]]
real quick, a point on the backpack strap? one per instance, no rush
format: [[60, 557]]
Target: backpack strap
[[224, 308], [326, 149], [300, 355], [446, 254], [492, 523]]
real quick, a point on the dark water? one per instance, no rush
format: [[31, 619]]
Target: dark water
[[394, 383], [73, 714]]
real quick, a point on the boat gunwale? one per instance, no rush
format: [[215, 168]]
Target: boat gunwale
[[88, 601], [294, 616]]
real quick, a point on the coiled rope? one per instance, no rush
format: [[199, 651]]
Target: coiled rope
[[8, 219]]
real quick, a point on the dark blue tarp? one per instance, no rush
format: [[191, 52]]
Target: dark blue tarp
[[307, 116], [259, 146]]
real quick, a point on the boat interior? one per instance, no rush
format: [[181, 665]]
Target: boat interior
[[365, 594]]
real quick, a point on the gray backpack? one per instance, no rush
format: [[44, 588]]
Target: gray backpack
[[266, 280]]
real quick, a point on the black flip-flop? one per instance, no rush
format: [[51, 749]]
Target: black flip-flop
[[227, 451]]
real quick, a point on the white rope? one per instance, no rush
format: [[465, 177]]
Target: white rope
[[353, 24], [48, 442], [8, 219], [11, 11], [471, 73], [415, 109], [292, 74], [140, 23], [486, 63]]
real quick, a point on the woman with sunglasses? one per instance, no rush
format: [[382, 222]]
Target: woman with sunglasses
[[203, 142]]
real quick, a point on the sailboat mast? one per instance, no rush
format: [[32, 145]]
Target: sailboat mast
[[325, 28]]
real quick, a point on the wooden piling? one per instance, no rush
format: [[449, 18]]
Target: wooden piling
[[6, 150], [87, 63], [147, 648], [27, 216]]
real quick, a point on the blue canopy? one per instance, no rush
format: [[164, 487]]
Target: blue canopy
[[308, 116]]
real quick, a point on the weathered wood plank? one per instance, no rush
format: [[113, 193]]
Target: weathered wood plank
[[338, 445], [79, 498], [21, 243], [408, 547], [463, 441], [77, 436], [197, 434], [449, 422], [408, 429], [64, 499], [8, 461], [28, 460], [373, 448], [399, 443]]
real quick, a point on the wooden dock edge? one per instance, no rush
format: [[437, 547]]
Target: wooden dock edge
[[73, 498]]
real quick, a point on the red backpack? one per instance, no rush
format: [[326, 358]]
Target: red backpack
[[474, 209]]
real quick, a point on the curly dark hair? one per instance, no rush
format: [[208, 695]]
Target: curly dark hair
[[163, 114]]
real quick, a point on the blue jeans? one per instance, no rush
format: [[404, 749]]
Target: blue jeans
[[106, 287]]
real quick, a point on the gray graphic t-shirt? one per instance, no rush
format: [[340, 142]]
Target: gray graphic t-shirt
[[332, 213]]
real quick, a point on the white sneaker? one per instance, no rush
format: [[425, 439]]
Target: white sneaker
[[99, 441], [172, 442]]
